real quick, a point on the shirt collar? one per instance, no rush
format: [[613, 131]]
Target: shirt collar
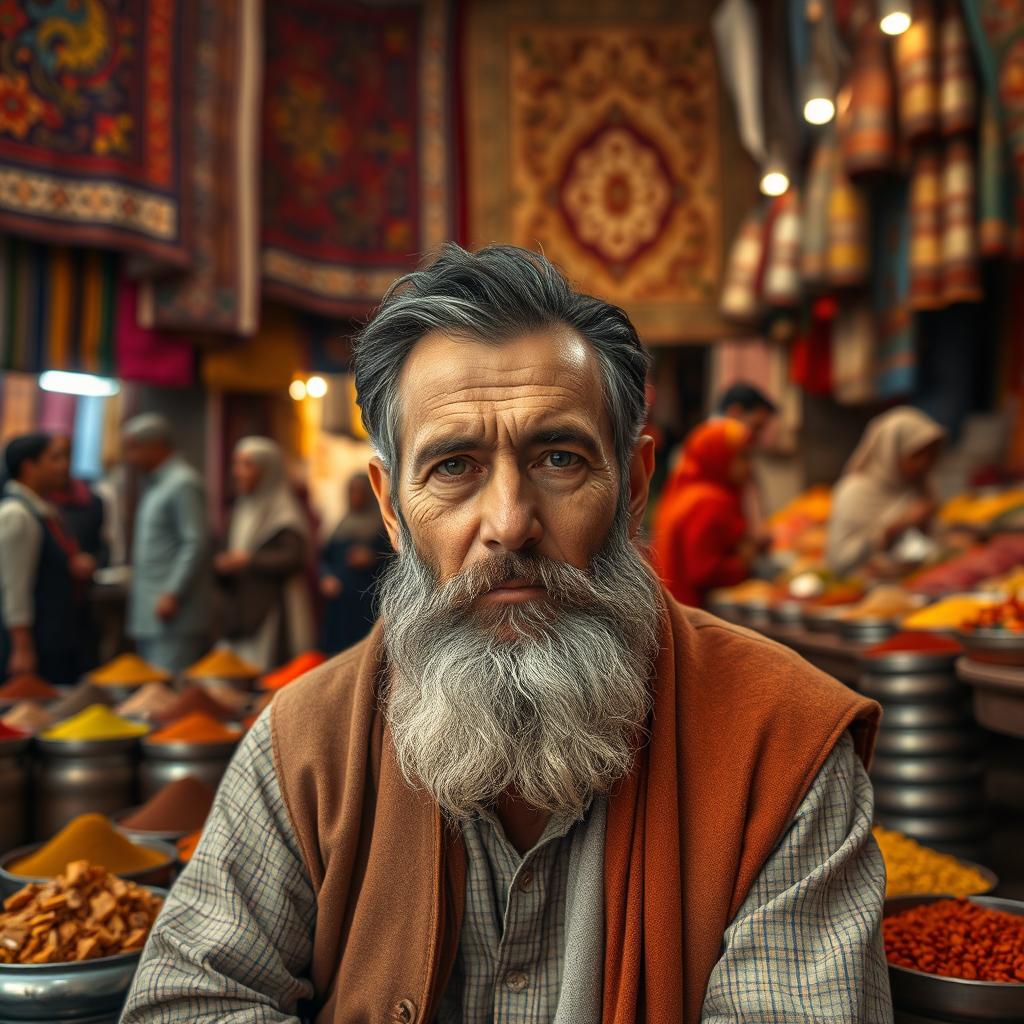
[[38, 504], [165, 467]]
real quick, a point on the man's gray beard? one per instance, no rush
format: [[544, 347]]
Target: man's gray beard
[[546, 699]]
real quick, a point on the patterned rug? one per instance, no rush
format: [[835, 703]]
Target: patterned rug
[[358, 163], [220, 290], [91, 142], [612, 160]]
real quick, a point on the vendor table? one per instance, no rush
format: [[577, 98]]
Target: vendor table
[[998, 695]]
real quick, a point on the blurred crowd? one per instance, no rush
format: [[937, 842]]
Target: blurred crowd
[[265, 589]]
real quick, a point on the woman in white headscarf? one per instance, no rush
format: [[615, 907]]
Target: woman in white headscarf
[[884, 491], [267, 613]]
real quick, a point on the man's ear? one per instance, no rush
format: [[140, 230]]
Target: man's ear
[[641, 469], [380, 481]]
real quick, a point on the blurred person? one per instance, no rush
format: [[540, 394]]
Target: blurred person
[[884, 491], [169, 605], [350, 564], [42, 571], [541, 789], [749, 406], [268, 617], [701, 539]]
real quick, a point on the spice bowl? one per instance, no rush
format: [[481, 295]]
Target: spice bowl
[[156, 875], [954, 998], [137, 835], [84, 990], [993, 646]]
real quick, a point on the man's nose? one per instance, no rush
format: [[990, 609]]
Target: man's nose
[[509, 519]]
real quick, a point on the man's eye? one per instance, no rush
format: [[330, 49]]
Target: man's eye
[[562, 460], [452, 467]]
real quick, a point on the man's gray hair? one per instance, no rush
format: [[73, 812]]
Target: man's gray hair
[[491, 296], [149, 427]]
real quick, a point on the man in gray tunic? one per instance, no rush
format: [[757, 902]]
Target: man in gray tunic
[[170, 604]]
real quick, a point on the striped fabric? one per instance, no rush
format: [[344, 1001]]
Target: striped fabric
[[866, 127], [958, 101], [926, 229], [916, 59], [782, 285], [848, 254], [740, 300], [994, 185], [814, 233], [235, 937], [961, 272]]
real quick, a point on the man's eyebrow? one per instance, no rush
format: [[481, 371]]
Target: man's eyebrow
[[444, 446], [567, 435]]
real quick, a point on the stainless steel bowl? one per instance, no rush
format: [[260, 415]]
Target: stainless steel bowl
[[926, 771], [993, 646], [85, 990], [867, 631], [943, 832], [159, 874], [926, 716], [927, 742], [787, 613], [909, 661], [138, 834], [927, 800], [824, 620], [955, 998], [913, 688]]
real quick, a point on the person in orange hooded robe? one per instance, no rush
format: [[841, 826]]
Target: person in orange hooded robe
[[700, 537]]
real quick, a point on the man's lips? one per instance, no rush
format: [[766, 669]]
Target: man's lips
[[514, 590]]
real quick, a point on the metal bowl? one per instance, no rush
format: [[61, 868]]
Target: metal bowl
[[993, 646], [927, 742], [913, 687], [825, 619], [867, 631], [955, 998], [158, 874], [926, 800], [138, 834], [942, 832], [926, 771], [909, 661], [83, 990], [787, 613], [926, 716]]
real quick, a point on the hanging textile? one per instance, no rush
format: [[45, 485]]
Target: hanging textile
[[145, 355], [896, 357], [781, 287], [56, 412], [741, 300], [811, 353], [848, 223], [866, 128], [853, 353], [92, 138], [961, 272], [56, 308], [994, 186], [814, 228], [264, 363], [959, 91], [220, 290], [926, 229], [19, 398], [358, 161], [738, 47], [916, 54]]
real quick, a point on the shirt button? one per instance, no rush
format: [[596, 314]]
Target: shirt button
[[516, 980], [404, 1012], [525, 881]]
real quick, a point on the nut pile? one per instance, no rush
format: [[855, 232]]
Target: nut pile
[[957, 939], [82, 914]]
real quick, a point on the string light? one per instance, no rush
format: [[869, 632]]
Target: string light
[[819, 106], [297, 389], [316, 387], [894, 17]]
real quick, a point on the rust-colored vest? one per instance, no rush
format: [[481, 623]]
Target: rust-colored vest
[[740, 728]]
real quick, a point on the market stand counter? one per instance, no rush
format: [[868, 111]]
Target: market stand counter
[[998, 695]]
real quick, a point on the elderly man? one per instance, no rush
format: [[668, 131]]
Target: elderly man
[[170, 604], [540, 790]]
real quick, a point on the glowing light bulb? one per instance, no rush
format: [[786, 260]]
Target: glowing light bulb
[[774, 182], [893, 17], [819, 110], [68, 383], [297, 389], [316, 387]]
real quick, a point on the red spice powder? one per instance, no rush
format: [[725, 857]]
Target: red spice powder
[[289, 673], [7, 732], [914, 642], [957, 939], [28, 686], [195, 699], [181, 806]]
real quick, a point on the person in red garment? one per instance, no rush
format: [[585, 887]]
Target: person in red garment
[[700, 531]]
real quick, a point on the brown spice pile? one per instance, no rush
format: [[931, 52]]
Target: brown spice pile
[[83, 914]]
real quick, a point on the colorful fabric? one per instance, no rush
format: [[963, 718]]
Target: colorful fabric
[[782, 285], [814, 234], [19, 397], [612, 159], [811, 352], [926, 229], [57, 308], [958, 102], [961, 271], [92, 144], [848, 222], [994, 185], [358, 163], [916, 59], [896, 356], [741, 300], [220, 290], [145, 355], [266, 362], [853, 352], [865, 124]]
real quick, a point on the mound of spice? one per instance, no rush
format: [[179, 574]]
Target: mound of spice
[[912, 869], [29, 717], [181, 806], [128, 670], [949, 613], [8, 732], [222, 663], [957, 939], [885, 602], [914, 643], [149, 701], [96, 722], [194, 700], [82, 914], [28, 686], [187, 845], [198, 727], [289, 673], [234, 699], [89, 837], [82, 696]]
